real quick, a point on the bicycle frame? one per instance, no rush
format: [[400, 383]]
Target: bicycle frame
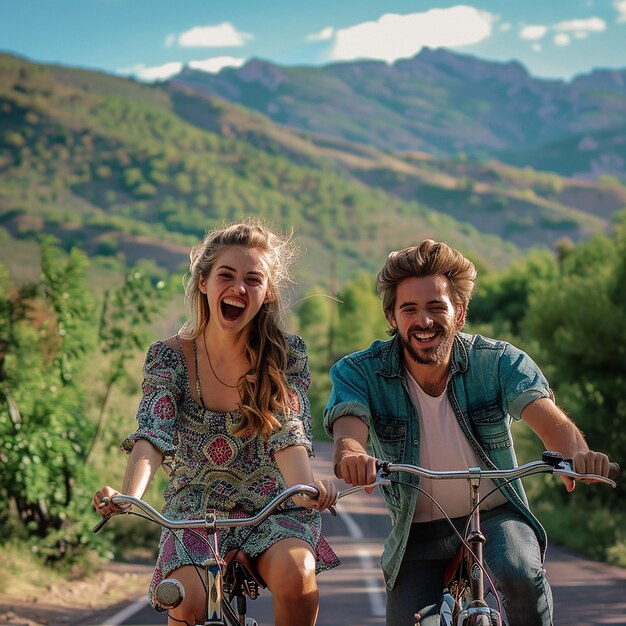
[[478, 613]]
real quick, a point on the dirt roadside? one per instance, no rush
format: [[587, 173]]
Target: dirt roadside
[[75, 602]]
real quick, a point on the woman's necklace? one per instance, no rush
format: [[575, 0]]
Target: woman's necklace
[[219, 380]]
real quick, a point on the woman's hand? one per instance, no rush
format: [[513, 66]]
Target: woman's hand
[[326, 498], [106, 507]]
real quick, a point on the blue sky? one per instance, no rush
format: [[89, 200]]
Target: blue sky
[[152, 39]]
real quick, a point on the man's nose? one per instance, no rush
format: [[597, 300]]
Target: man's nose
[[423, 319]]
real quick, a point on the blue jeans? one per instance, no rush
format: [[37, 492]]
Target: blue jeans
[[511, 554]]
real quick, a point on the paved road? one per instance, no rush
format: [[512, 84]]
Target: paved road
[[586, 593]]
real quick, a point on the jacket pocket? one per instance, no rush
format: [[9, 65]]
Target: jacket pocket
[[389, 444], [491, 426], [390, 440]]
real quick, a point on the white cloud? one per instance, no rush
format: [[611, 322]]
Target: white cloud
[[590, 25], [620, 7], [536, 47], [533, 32], [324, 35], [215, 64], [395, 36], [150, 74], [505, 27], [223, 35], [562, 40]]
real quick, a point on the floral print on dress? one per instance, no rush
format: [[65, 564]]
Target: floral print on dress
[[211, 468]]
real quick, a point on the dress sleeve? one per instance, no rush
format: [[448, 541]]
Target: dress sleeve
[[163, 385], [296, 427]]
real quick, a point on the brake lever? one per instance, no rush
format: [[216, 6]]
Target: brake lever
[[98, 527], [377, 483], [565, 468]]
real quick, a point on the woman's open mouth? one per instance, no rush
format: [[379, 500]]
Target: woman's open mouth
[[232, 308]]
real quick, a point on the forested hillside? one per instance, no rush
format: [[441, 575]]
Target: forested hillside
[[127, 172]]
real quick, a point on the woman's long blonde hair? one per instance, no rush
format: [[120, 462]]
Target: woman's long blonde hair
[[264, 390]]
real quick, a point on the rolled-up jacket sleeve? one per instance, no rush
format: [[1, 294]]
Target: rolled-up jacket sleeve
[[522, 381], [349, 395]]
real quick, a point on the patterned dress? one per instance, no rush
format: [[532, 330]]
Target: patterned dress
[[213, 469]]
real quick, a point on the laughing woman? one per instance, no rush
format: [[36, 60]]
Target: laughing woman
[[225, 403]]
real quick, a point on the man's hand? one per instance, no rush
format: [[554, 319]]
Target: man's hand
[[351, 460], [357, 469], [588, 462]]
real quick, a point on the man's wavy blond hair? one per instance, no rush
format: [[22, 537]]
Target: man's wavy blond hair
[[429, 258], [264, 390]]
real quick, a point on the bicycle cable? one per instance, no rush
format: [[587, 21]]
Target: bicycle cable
[[457, 533]]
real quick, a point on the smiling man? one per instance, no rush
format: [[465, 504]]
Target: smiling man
[[443, 399]]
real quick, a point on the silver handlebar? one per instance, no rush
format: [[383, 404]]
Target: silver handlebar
[[210, 522], [563, 468]]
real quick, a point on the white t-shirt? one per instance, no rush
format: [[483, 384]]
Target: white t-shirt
[[443, 447]]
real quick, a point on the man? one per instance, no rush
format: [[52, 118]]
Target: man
[[436, 397]]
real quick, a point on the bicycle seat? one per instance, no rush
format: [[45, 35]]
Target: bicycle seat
[[242, 577]]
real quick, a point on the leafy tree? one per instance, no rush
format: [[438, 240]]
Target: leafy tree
[[124, 329], [579, 319], [48, 337], [501, 299], [43, 431], [360, 316]]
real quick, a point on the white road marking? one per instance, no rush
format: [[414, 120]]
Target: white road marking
[[121, 616], [376, 598]]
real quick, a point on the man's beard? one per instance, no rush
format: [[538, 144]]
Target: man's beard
[[435, 355]]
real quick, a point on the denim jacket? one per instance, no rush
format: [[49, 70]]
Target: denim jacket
[[491, 383]]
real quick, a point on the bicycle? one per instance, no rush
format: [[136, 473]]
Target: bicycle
[[228, 582], [464, 600]]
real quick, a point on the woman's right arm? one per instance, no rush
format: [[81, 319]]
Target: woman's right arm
[[143, 462]]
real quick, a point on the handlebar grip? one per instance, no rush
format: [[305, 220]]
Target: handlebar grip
[[614, 470]]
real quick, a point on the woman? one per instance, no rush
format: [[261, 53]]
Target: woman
[[224, 401]]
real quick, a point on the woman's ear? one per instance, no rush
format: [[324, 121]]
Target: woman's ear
[[202, 284]]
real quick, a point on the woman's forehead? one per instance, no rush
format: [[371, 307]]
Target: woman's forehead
[[243, 258]]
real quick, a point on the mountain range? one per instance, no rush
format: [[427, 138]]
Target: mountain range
[[444, 104]]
